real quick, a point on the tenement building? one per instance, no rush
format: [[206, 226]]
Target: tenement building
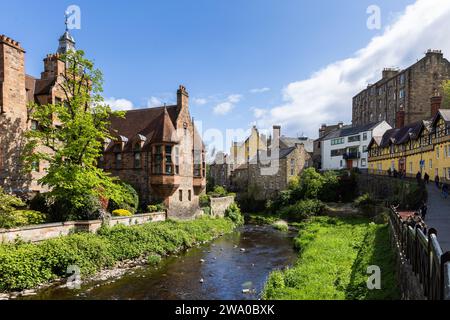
[[402, 97], [161, 154], [422, 146], [17, 91]]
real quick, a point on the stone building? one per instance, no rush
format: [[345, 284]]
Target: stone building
[[161, 154], [17, 91], [401, 97], [270, 168]]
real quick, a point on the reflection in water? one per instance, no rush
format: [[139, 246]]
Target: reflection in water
[[225, 273]]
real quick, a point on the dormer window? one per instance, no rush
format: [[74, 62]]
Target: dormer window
[[118, 161], [34, 125]]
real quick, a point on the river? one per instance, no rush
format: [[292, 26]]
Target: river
[[234, 262]]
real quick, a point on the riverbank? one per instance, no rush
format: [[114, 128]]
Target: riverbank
[[25, 266], [333, 260]]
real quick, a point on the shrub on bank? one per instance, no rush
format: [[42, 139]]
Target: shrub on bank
[[159, 207], [24, 266], [121, 213], [233, 212], [302, 209], [129, 202]]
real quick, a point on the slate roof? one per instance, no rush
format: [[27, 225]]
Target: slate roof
[[153, 124], [290, 142], [349, 130]]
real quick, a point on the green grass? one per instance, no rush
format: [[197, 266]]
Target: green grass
[[24, 266], [333, 260]]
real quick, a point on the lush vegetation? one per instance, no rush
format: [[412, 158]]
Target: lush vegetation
[[234, 213], [28, 265], [333, 261], [219, 192], [79, 187], [13, 213], [159, 207]]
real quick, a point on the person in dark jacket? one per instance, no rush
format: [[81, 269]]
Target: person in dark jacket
[[426, 178], [423, 210], [436, 181], [419, 177]]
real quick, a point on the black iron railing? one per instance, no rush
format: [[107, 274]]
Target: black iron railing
[[420, 247]]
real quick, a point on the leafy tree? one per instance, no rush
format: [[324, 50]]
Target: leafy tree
[[74, 130], [311, 183], [446, 90]]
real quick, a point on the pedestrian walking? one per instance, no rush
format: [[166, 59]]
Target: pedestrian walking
[[436, 181], [445, 191], [426, 178], [419, 177], [423, 210]]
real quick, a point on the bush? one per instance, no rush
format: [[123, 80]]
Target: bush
[[40, 202], [121, 213], [130, 202], [203, 200], [8, 210], [207, 210], [303, 209], [234, 214], [160, 207], [365, 200]]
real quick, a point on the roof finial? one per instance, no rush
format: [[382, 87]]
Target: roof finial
[[66, 20]]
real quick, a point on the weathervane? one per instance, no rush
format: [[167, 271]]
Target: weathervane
[[66, 20]]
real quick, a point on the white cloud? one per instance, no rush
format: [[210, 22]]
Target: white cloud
[[119, 104], [259, 113], [259, 90], [153, 102], [226, 106], [200, 101], [326, 96]]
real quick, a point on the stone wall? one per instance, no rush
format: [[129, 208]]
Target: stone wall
[[42, 232], [220, 205]]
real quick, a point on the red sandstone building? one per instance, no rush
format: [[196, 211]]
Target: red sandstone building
[[160, 153], [157, 150]]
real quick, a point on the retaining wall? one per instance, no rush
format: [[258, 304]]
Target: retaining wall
[[220, 205], [36, 233]]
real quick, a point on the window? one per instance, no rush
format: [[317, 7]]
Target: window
[[364, 136], [169, 164], [410, 168], [354, 138], [180, 195], [34, 125], [337, 141], [292, 167], [341, 163], [118, 160], [137, 159], [337, 152], [198, 163], [157, 160], [363, 162], [430, 163], [189, 195], [402, 78], [177, 160], [437, 152], [401, 93], [364, 149]]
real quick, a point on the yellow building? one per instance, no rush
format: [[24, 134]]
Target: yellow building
[[241, 153], [422, 147]]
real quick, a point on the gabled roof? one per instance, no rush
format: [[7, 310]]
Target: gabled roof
[[442, 114], [155, 124], [402, 135]]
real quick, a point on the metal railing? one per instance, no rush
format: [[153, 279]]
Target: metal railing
[[420, 247]]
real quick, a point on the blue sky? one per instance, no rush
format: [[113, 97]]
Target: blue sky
[[241, 60]]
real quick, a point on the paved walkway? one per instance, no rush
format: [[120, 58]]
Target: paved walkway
[[438, 216]]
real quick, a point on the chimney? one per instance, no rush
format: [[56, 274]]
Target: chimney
[[436, 102], [400, 119], [389, 73], [182, 98]]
